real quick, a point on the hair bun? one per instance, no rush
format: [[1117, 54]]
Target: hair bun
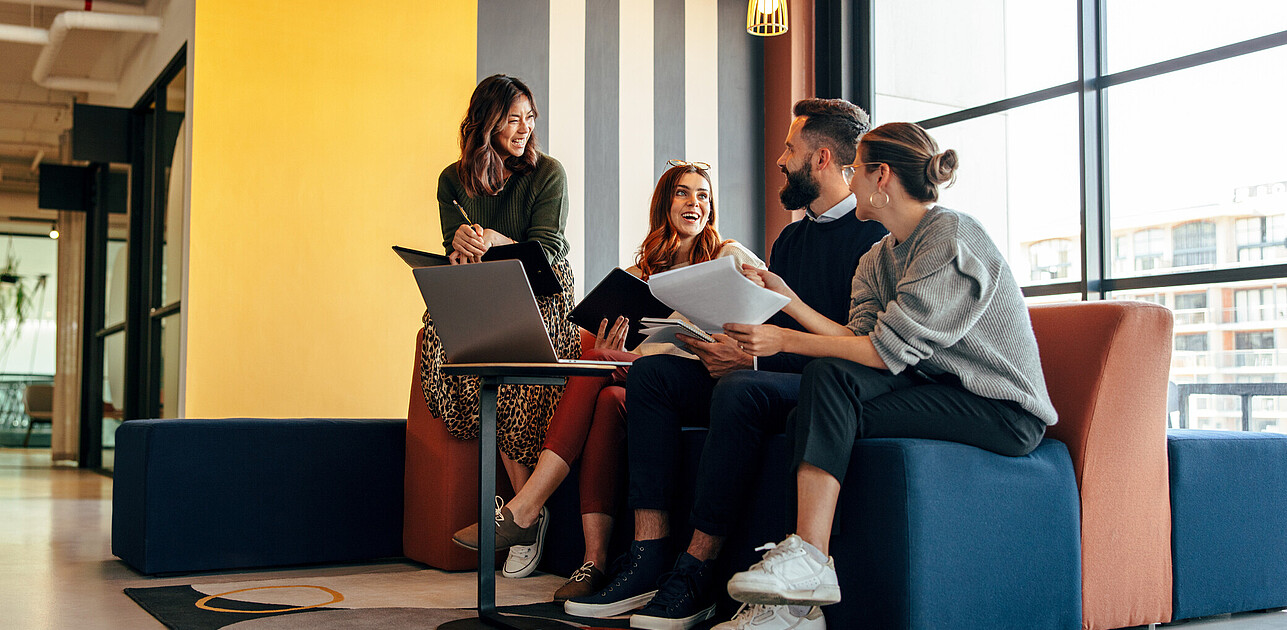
[[942, 168]]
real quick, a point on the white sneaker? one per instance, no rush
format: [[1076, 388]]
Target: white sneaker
[[760, 617], [522, 559], [787, 575]]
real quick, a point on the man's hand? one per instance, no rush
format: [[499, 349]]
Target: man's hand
[[720, 358]]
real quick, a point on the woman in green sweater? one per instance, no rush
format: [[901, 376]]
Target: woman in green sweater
[[511, 192]]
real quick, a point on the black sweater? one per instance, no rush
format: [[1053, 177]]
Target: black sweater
[[817, 260]]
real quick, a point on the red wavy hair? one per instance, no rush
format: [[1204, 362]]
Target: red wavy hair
[[660, 249]]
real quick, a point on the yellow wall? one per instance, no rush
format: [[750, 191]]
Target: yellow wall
[[319, 129]]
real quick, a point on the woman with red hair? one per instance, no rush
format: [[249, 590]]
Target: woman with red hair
[[589, 422]]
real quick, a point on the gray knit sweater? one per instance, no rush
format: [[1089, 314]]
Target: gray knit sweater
[[944, 300]]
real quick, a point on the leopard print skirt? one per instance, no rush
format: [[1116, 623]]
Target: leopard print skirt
[[523, 412]]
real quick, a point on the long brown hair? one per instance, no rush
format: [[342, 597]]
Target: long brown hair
[[480, 166], [661, 247]]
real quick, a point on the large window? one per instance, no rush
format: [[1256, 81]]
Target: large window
[[1115, 149]]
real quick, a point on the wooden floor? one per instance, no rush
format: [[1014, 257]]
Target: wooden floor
[[57, 568]]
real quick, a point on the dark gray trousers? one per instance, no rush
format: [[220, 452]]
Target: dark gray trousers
[[842, 401]]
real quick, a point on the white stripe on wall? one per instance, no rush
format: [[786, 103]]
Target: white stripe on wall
[[635, 127], [701, 86], [567, 120]]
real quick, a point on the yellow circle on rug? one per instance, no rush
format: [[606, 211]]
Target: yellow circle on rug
[[336, 597]]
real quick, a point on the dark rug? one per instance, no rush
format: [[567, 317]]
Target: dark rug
[[185, 608]]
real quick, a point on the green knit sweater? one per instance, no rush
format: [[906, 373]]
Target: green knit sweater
[[531, 207]]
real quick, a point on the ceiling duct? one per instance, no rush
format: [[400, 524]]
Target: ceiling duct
[[85, 20]]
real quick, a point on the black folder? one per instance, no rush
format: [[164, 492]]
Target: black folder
[[619, 294], [539, 273]]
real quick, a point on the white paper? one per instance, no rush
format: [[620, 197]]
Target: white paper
[[715, 293]]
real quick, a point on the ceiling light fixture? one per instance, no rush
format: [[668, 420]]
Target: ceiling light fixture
[[53, 231], [766, 17]]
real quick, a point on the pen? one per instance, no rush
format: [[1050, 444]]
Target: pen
[[462, 211]]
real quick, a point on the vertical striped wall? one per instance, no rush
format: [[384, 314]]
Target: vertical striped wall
[[624, 85]]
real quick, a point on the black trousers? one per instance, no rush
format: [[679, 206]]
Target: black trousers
[[842, 401], [665, 393]]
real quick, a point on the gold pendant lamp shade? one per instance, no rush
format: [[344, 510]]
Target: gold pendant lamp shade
[[766, 17]]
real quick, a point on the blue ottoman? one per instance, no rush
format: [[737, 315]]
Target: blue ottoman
[[939, 535], [198, 495], [1228, 521]]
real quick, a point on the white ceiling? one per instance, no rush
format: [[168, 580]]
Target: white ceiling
[[34, 120]]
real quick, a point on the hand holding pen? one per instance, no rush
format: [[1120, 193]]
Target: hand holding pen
[[469, 242]]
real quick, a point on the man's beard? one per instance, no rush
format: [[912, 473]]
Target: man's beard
[[800, 189]]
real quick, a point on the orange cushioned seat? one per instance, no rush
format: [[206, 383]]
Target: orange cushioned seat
[[1106, 366]]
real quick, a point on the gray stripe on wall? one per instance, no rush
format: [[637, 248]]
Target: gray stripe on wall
[[668, 85], [514, 39], [602, 117], [741, 128]]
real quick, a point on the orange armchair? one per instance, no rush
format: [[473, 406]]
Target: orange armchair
[[1106, 366]]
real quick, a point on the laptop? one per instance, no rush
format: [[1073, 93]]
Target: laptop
[[539, 272], [486, 313]]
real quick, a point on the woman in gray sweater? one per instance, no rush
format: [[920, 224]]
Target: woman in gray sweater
[[938, 345]]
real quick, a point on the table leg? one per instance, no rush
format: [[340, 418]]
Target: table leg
[[486, 498], [487, 615]]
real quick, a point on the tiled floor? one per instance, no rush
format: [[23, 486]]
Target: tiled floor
[[57, 568]]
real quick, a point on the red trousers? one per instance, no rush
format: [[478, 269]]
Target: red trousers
[[590, 424]]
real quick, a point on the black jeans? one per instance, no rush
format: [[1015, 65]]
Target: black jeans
[[665, 393], [842, 401]]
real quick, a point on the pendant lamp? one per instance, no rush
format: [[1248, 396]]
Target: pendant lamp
[[766, 17]]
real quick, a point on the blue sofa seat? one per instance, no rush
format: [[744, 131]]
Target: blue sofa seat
[[928, 534], [939, 535], [1229, 515], [201, 495]]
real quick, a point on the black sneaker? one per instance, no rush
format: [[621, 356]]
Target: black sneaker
[[683, 599], [632, 582]]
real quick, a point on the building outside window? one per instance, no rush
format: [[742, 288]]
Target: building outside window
[[1259, 305], [1190, 308], [1149, 247], [1193, 244], [1251, 347], [1121, 255], [1049, 259], [1261, 238]]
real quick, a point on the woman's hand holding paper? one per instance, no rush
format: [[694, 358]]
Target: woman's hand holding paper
[[769, 280], [759, 340]]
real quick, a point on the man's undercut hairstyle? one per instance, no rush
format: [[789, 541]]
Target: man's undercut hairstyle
[[833, 123]]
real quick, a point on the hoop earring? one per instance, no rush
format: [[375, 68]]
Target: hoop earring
[[871, 199]]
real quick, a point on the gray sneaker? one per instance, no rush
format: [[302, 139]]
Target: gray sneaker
[[508, 533], [523, 559]]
